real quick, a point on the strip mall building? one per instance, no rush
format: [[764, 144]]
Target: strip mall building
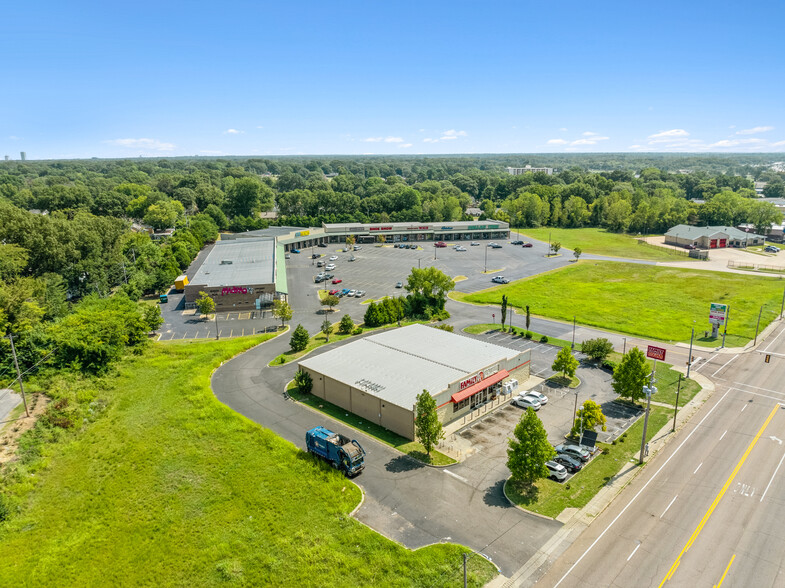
[[379, 377]]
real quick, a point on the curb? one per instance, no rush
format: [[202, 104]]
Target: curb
[[518, 506]]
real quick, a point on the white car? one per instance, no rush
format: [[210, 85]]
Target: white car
[[333, 258], [359, 294], [474, 244], [351, 293], [495, 280], [541, 398], [330, 267], [526, 402], [556, 471], [460, 248]]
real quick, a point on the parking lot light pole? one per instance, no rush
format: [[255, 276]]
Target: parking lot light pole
[[689, 357], [573, 332], [757, 327], [624, 349], [486, 263], [216, 325], [648, 390]]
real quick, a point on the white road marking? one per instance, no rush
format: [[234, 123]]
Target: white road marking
[[772, 478], [461, 478], [633, 551], [773, 340], [696, 469], [723, 435], [743, 407], [634, 498], [777, 439], [669, 505], [724, 365], [757, 388]]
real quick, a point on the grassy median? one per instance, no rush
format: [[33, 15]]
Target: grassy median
[[169, 487], [644, 300]]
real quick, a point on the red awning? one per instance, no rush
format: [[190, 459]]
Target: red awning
[[479, 386]]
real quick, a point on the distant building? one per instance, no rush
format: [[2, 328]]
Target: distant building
[[711, 237], [7, 157], [517, 171], [759, 187], [23, 155], [774, 233]]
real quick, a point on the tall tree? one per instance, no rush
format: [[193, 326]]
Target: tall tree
[[630, 375], [204, 304], [589, 417], [299, 339], [427, 425], [327, 329], [528, 317], [565, 363], [504, 310], [528, 451], [282, 310]]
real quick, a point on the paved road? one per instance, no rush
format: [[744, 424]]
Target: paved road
[[709, 508], [8, 401], [406, 501]]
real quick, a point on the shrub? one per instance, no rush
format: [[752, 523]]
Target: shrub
[[528, 334], [608, 364], [304, 381], [605, 451], [597, 349], [544, 339], [299, 340], [357, 331], [5, 509], [346, 325]]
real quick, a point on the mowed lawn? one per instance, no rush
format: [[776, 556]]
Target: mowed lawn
[[601, 242], [171, 488], [644, 300]]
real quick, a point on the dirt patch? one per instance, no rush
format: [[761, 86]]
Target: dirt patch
[[11, 431]]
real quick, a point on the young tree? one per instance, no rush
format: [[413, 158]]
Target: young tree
[[350, 241], [346, 325], [555, 246], [204, 304], [631, 375], [577, 252], [565, 363], [327, 329], [304, 381], [330, 300], [299, 339], [597, 349], [426, 421], [589, 416], [504, 310], [529, 450], [528, 317], [282, 310]]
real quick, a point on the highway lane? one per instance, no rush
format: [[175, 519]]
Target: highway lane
[[711, 497]]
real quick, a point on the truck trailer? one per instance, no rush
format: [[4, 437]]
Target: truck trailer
[[337, 450], [180, 283]]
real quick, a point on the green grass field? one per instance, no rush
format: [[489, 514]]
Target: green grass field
[[554, 497], [168, 487], [601, 242], [648, 301]]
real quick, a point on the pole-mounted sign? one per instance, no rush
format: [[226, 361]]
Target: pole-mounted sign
[[655, 353]]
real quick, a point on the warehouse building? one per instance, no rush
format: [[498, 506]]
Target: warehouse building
[[711, 237], [379, 377], [242, 274]]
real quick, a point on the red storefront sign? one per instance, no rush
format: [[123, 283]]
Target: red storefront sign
[[380, 228], [655, 352], [471, 381], [236, 290]]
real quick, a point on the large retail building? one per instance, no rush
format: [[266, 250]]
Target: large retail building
[[242, 274], [379, 377]]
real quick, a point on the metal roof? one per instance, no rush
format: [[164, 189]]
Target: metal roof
[[398, 364], [233, 263], [691, 232]]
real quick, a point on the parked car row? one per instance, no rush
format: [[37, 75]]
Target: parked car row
[[534, 400], [521, 243], [405, 246], [772, 249]]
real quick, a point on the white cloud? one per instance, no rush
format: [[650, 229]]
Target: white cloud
[[146, 144], [373, 139], [421, 131], [233, 132], [754, 130], [448, 138], [591, 141], [732, 127], [453, 133], [563, 129], [211, 152], [737, 142], [778, 144], [260, 127], [384, 139], [404, 145], [13, 138], [557, 142], [668, 136], [429, 140], [393, 140], [635, 147], [589, 134]]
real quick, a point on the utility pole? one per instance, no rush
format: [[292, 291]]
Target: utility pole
[[757, 326], [18, 374], [676, 408], [648, 390], [725, 330], [782, 306], [486, 259], [465, 557], [689, 358], [624, 349], [216, 325]]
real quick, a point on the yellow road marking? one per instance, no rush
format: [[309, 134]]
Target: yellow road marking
[[718, 498], [718, 584]]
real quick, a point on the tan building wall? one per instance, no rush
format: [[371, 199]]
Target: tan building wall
[[231, 298]]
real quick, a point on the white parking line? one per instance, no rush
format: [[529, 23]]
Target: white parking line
[[633, 551], [696, 469], [773, 340], [669, 505], [461, 478], [723, 435], [772, 478]]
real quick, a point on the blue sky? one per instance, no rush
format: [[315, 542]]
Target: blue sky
[[110, 79]]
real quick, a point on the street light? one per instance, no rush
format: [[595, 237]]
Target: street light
[[689, 357], [486, 263], [573, 333]]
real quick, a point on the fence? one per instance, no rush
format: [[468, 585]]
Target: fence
[[756, 267]]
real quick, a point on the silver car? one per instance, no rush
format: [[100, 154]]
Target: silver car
[[526, 402], [557, 471], [541, 398]]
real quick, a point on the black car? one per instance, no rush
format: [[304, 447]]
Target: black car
[[315, 256], [516, 242], [322, 245], [572, 464]]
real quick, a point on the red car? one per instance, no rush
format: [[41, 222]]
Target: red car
[[337, 281], [527, 245], [334, 292], [440, 244]]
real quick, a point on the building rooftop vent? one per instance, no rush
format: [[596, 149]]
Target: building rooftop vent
[[226, 262]]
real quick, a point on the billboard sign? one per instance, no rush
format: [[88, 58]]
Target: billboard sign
[[718, 313], [655, 352]]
